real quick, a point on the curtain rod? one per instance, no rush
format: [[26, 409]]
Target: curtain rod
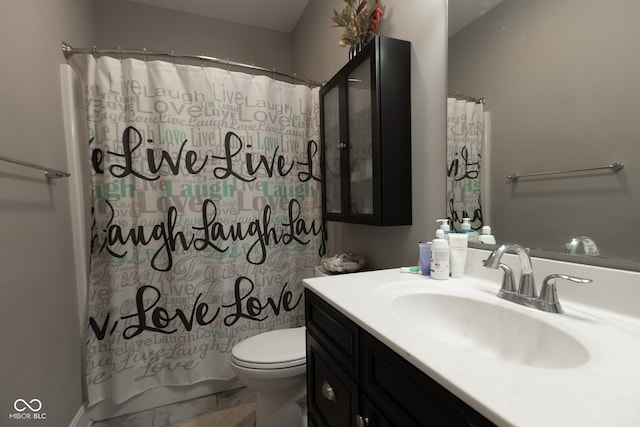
[[69, 51], [464, 97]]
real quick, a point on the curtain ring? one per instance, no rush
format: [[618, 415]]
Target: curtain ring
[[144, 50], [294, 77], [202, 61], [227, 65], [93, 51], [120, 53], [174, 58], [253, 74], [274, 73]]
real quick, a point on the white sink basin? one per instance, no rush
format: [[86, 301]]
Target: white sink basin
[[579, 368], [489, 329]]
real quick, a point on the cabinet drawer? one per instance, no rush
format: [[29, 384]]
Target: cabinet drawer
[[332, 397], [399, 388], [334, 331]]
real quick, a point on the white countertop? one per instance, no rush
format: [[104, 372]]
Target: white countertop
[[603, 391]]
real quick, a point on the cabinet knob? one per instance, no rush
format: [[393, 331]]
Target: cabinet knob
[[327, 391], [362, 421], [342, 146]]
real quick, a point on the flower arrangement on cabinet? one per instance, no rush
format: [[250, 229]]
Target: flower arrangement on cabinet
[[360, 19]]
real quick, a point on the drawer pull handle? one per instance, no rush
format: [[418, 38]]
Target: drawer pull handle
[[327, 391], [342, 146], [362, 421]]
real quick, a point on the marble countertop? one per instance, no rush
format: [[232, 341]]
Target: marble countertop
[[602, 391]]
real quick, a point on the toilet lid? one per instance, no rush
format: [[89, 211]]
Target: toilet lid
[[272, 350]]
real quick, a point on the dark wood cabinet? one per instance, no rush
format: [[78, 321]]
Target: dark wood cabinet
[[354, 380], [365, 125]]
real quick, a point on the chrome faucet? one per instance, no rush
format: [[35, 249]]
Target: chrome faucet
[[527, 284], [526, 293]]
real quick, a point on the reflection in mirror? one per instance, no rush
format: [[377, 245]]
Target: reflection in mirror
[[360, 137], [560, 82], [331, 126], [466, 145]]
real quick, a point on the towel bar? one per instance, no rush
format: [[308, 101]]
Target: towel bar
[[48, 172], [614, 167]]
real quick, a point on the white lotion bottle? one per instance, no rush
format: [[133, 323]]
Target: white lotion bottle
[[458, 243], [439, 257]]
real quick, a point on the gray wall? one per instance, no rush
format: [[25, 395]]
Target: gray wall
[[561, 96], [318, 56], [132, 25], [41, 337]]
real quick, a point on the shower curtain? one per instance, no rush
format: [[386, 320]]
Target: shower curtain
[[465, 140], [205, 218]]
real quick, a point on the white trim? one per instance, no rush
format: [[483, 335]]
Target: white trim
[[485, 171], [82, 418]]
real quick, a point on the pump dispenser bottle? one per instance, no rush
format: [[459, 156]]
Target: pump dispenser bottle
[[439, 257], [465, 227], [445, 227], [486, 236]]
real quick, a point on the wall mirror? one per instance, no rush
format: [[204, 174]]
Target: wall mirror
[[560, 82]]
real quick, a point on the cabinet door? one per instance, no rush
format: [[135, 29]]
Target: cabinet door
[[407, 396], [360, 124], [332, 146], [373, 416], [332, 397]]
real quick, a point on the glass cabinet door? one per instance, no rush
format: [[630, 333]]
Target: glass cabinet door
[[360, 139], [365, 116], [331, 111]]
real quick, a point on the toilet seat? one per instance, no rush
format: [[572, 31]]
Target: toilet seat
[[279, 349]]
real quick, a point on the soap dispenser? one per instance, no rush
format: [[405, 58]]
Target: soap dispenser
[[439, 256], [486, 236], [445, 227], [466, 228]]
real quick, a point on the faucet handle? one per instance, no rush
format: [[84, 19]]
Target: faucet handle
[[549, 295], [508, 282]]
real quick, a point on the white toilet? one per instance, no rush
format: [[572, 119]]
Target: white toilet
[[273, 364]]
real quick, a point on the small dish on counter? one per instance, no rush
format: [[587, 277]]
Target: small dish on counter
[[347, 262]]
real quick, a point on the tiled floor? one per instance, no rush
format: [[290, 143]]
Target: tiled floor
[[235, 408]]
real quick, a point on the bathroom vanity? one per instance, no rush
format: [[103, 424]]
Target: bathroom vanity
[[353, 377], [386, 348]]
